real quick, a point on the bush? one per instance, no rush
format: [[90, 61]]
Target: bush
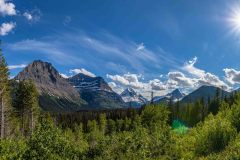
[[48, 143], [12, 149], [213, 135]]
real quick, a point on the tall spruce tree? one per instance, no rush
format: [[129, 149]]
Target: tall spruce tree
[[4, 94], [26, 103]]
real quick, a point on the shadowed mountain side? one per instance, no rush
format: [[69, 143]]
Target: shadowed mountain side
[[56, 94]]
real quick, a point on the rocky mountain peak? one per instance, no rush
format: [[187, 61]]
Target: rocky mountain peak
[[47, 80], [175, 94], [130, 95], [129, 92]]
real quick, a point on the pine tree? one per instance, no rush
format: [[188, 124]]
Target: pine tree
[[4, 94], [26, 103], [102, 123], [203, 108]]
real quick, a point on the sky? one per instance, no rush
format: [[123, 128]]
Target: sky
[[149, 45]]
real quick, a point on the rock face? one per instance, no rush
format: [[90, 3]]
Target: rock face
[[132, 98], [56, 94], [96, 92]]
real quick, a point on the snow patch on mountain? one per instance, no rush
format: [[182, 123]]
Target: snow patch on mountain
[[129, 95]]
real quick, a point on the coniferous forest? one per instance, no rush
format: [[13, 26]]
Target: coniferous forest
[[200, 130]]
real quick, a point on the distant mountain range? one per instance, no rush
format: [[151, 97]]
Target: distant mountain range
[[174, 96], [81, 91], [132, 98]]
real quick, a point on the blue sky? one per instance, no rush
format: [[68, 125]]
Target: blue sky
[[149, 45]]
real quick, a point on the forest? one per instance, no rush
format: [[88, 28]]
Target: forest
[[200, 130]]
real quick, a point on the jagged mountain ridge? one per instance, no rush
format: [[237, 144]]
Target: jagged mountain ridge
[[132, 98], [175, 95], [56, 94], [96, 92]]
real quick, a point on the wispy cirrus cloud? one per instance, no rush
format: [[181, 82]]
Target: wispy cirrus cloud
[[140, 47], [18, 66], [190, 68], [52, 50], [102, 49]]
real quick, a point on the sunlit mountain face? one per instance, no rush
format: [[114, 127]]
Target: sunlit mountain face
[[148, 46]]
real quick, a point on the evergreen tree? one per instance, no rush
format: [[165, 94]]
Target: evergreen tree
[[26, 104], [203, 108], [102, 123], [4, 94]]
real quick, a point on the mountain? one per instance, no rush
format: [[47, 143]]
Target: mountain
[[175, 95], [56, 94], [96, 92], [204, 92], [132, 98]]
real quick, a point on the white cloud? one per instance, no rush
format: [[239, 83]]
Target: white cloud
[[17, 66], [5, 28], [64, 75], [178, 79], [28, 16], [83, 71], [118, 79], [189, 79], [157, 85], [33, 15], [140, 47], [130, 80], [7, 8], [120, 82], [190, 68], [201, 77], [115, 87], [211, 79], [232, 76]]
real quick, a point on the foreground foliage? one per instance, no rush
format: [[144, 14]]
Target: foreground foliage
[[146, 136]]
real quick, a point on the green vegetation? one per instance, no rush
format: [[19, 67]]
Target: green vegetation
[[200, 130]]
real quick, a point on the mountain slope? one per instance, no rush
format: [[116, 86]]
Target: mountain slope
[[132, 98], [96, 92], [56, 94], [204, 92], [175, 95]]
